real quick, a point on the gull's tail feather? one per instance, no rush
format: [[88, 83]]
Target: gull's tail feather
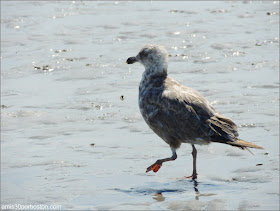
[[243, 144]]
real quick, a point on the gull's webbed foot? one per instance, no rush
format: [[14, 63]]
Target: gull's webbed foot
[[155, 167], [193, 177]]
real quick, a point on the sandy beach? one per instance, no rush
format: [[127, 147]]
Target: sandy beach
[[72, 136]]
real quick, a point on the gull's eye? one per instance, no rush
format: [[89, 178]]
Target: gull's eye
[[144, 54]]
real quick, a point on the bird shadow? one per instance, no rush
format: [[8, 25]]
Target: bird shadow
[[158, 190]]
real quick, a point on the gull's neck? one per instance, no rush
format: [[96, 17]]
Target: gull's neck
[[152, 72], [156, 69]]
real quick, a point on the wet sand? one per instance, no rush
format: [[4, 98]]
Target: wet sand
[[71, 131]]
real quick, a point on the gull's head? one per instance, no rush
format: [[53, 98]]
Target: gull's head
[[152, 57]]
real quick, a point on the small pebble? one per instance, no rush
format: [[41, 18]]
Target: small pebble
[[259, 164], [46, 67], [271, 13], [69, 59], [93, 144], [59, 51]]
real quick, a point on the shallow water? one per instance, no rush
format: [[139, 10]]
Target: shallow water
[[67, 137]]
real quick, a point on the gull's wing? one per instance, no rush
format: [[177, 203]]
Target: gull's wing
[[178, 112]]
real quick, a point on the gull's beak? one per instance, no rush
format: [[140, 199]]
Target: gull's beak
[[131, 60]]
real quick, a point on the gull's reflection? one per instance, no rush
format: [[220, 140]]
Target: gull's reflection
[[195, 184], [158, 197]]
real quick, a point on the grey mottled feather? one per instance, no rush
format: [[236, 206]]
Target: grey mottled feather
[[179, 114]]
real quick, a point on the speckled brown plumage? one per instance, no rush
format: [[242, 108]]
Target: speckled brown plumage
[[176, 113]]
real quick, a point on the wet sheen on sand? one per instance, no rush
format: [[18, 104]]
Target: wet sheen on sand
[[71, 131]]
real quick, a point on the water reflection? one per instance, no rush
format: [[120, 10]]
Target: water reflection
[[198, 194], [196, 190], [159, 195]]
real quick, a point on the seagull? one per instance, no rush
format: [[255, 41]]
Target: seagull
[[179, 114]]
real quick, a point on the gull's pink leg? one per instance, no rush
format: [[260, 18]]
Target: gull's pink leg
[[194, 153], [156, 166]]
